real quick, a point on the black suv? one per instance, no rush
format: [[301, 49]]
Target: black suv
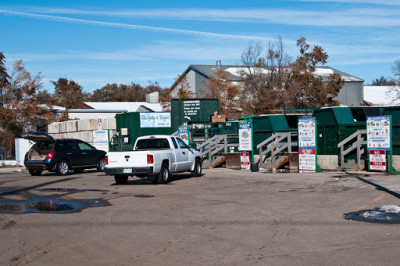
[[61, 155]]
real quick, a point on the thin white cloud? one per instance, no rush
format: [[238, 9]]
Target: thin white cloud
[[349, 16], [375, 2], [135, 27]]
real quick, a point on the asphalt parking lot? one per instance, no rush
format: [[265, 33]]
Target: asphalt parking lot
[[225, 217]]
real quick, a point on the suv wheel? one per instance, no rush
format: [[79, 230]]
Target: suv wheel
[[101, 165], [62, 167]]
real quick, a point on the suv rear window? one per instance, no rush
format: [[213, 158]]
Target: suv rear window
[[152, 144]]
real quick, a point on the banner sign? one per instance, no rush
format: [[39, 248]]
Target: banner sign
[[100, 140], [155, 120], [183, 133], [307, 133], [245, 137], [377, 160], [245, 160], [378, 132]]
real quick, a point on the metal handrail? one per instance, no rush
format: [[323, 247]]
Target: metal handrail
[[361, 140]]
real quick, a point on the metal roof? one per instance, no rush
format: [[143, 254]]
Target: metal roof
[[234, 72]]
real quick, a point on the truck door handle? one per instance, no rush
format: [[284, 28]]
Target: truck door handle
[[127, 156], [183, 152]]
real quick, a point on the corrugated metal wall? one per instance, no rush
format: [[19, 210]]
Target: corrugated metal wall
[[351, 94]]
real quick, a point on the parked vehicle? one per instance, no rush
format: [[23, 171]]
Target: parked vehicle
[[61, 155], [155, 157]]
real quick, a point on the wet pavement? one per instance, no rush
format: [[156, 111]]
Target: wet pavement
[[32, 203], [225, 217]]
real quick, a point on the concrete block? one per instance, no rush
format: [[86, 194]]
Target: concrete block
[[62, 127], [396, 162], [92, 124], [83, 125], [72, 126], [112, 123], [328, 162]]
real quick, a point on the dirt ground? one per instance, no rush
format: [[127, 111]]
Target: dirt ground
[[225, 217]]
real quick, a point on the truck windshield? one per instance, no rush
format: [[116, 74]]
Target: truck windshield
[[144, 144]]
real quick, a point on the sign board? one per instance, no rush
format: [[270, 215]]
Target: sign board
[[378, 132], [245, 137], [377, 160], [245, 160], [183, 133], [100, 140], [307, 132], [379, 142], [155, 120]]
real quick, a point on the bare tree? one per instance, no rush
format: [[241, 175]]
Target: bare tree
[[396, 70], [22, 106], [220, 87]]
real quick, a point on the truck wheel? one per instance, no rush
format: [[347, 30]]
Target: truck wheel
[[62, 167], [121, 179], [35, 172], [164, 175], [197, 168]]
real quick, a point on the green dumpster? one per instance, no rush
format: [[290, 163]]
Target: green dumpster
[[131, 121], [394, 111], [335, 124]]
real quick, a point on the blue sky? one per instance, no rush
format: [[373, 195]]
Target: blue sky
[[122, 41]]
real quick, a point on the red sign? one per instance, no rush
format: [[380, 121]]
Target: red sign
[[377, 160], [307, 161], [245, 160]]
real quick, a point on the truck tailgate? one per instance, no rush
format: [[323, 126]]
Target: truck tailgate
[[127, 159]]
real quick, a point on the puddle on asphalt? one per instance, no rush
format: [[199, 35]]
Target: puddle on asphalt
[[48, 204], [72, 190], [389, 214], [144, 196]]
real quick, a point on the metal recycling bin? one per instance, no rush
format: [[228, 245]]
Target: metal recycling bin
[[394, 111]]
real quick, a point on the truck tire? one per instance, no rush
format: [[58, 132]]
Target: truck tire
[[121, 179], [164, 175], [35, 172], [197, 168], [62, 167]]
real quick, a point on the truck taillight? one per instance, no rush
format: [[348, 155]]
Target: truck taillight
[[106, 160], [50, 155], [150, 159]]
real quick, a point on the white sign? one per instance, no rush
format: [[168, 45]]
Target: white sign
[[307, 144], [183, 133], [245, 137], [100, 140], [378, 132], [155, 120], [307, 132]]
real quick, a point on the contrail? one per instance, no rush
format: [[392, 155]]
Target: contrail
[[134, 27]]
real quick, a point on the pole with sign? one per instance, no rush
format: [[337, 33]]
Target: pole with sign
[[379, 143], [307, 132], [183, 133]]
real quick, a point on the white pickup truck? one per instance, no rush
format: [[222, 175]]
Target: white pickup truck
[[154, 157]]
